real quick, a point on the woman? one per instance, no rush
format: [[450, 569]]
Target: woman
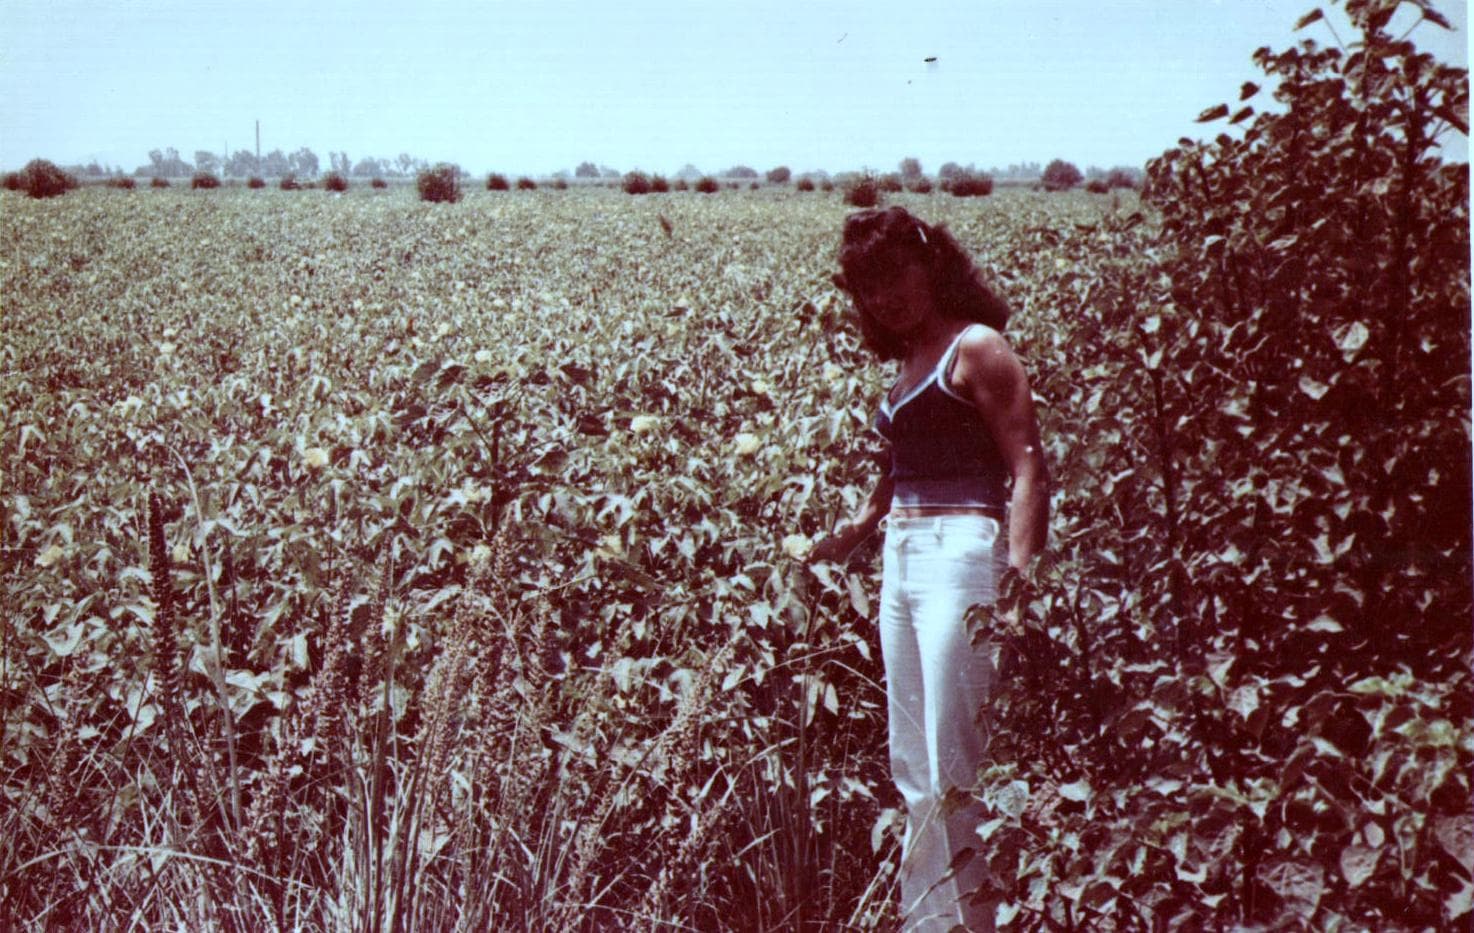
[[965, 460]]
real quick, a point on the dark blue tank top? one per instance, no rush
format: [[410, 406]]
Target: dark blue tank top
[[942, 453]]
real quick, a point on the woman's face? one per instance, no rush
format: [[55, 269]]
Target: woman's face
[[899, 299]]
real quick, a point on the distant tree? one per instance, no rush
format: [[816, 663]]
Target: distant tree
[[689, 172], [1020, 171], [1123, 177], [440, 184], [206, 161], [636, 183], [165, 163], [969, 184], [242, 164], [608, 173], [368, 167], [950, 170], [1060, 175], [340, 163], [740, 171], [43, 179], [862, 191], [910, 168], [275, 163], [303, 162], [586, 170], [779, 175]]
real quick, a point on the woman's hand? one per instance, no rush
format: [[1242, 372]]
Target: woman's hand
[[838, 544]]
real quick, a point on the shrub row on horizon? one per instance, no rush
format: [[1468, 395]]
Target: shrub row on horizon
[[442, 183]]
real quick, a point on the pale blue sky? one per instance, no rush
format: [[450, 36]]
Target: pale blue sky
[[536, 87]]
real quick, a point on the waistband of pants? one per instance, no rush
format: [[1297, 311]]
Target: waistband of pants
[[955, 492], [955, 522], [930, 511]]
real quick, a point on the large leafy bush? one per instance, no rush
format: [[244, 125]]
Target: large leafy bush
[[441, 184], [1242, 691], [43, 179]]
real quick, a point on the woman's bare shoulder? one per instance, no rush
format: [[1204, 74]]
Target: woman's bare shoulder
[[985, 360]]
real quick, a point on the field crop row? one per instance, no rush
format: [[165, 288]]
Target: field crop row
[[531, 463]]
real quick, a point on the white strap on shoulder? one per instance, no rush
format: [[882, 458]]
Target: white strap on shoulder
[[944, 365]]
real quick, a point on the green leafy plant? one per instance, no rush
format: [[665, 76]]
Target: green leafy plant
[[1251, 673]]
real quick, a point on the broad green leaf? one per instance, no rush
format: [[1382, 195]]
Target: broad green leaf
[[1358, 863]]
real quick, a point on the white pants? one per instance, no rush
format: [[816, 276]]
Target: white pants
[[935, 568]]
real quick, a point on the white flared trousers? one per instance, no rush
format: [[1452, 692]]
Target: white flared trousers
[[937, 683]]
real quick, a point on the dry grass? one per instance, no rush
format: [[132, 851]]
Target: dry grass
[[490, 794]]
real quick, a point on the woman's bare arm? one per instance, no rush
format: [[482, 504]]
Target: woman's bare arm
[[848, 534], [992, 377]]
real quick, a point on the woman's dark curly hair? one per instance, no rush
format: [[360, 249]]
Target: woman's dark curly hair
[[876, 247]]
